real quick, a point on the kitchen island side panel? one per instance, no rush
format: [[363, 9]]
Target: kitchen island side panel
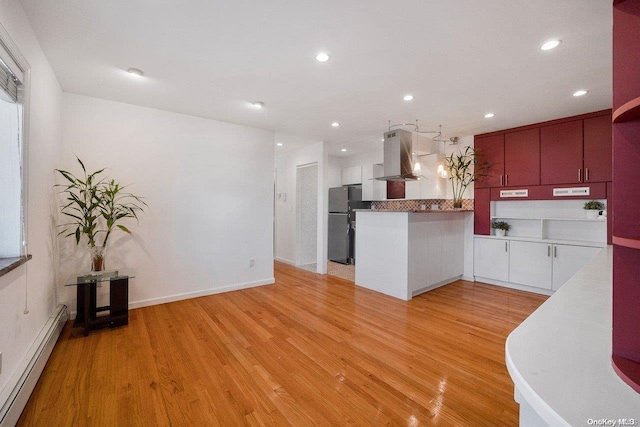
[[382, 248]]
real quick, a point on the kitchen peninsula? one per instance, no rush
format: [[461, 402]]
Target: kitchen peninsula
[[403, 254]]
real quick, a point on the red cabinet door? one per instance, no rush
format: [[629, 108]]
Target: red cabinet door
[[522, 158], [597, 149], [561, 153], [482, 211], [490, 167]]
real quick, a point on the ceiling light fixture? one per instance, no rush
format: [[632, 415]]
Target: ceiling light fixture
[[279, 144], [322, 57], [135, 72], [408, 98], [335, 124], [343, 150], [258, 105], [550, 44], [580, 92], [489, 115], [438, 138]]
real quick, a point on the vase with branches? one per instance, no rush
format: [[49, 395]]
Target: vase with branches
[[460, 170], [95, 205]]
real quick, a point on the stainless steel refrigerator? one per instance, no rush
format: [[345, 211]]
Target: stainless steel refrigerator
[[342, 222]]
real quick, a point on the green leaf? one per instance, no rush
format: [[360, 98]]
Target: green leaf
[[123, 228]]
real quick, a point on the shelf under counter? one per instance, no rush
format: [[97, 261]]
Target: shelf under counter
[[549, 241]]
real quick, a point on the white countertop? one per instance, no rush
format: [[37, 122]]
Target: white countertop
[[560, 357]]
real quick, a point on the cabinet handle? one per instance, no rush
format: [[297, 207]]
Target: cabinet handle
[[586, 174], [506, 248], [500, 180], [548, 250], [555, 252], [579, 175], [506, 180]]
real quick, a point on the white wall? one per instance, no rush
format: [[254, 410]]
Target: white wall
[[19, 330], [462, 144], [285, 239], [209, 187]]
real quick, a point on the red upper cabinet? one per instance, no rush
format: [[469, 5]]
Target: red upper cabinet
[[490, 168], [597, 149], [522, 158], [561, 153]]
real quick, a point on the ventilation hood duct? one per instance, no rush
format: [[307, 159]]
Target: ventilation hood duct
[[399, 148], [398, 159]]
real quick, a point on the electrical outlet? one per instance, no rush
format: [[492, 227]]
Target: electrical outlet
[[252, 262]]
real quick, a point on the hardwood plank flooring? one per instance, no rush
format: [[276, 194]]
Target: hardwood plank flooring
[[308, 350]]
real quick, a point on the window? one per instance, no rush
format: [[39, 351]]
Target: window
[[14, 74]]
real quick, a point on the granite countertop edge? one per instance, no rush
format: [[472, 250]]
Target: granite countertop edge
[[414, 211]]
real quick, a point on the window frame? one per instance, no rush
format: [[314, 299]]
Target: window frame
[[18, 65]]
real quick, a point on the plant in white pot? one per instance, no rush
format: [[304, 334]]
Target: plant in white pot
[[95, 206], [500, 227], [593, 208]]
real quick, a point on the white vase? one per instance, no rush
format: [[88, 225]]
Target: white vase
[[500, 232], [592, 214]]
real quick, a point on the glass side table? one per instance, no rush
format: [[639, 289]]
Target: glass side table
[[112, 315]]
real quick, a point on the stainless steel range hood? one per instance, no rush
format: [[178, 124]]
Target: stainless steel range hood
[[398, 159]]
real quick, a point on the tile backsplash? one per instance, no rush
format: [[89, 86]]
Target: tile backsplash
[[415, 205]]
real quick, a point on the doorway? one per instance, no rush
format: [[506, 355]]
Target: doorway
[[307, 216]]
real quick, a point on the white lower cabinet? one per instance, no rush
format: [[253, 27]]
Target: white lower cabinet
[[530, 264], [491, 259], [568, 260], [537, 264]]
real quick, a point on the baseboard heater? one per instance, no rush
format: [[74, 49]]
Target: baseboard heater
[[16, 393]]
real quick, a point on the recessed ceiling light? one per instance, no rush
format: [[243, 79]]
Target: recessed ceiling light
[[258, 105], [335, 124], [408, 98], [488, 115], [322, 57], [279, 144], [382, 140], [344, 149], [550, 44], [580, 92], [135, 72]]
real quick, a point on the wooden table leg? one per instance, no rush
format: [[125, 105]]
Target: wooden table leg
[[86, 287]]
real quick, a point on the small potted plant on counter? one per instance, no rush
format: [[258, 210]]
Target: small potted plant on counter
[[501, 227], [593, 208]]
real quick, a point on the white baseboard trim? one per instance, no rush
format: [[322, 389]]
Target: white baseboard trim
[[286, 261], [514, 286], [16, 393], [187, 295], [468, 278], [434, 286]]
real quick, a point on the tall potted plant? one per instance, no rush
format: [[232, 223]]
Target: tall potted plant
[[95, 205], [460, 169]]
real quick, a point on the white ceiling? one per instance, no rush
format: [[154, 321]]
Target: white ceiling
[[459, 58]]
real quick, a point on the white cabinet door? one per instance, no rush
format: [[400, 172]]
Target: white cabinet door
[[412, 190], [379, 187], [367, 183], [491, 259], [352, 175], [567, 260], [531, 264]]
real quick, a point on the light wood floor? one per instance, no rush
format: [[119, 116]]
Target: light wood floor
[[309, 350]]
